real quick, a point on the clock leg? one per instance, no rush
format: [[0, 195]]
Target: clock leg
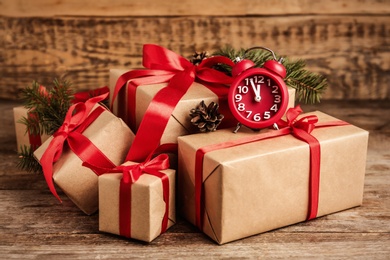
[[275, 126], [237, 128]]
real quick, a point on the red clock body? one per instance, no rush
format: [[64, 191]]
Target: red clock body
[[258, 97]]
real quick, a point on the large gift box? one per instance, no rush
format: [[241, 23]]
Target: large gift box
[[251, 187], [106, 136], [179, 123], [23, 137], [151, 209]]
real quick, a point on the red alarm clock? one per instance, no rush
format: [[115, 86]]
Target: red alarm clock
[[258, 97]]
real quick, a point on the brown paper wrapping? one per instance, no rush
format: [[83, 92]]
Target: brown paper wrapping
[[20, 129], [147, 205], [179, 123], [256, 187], [108, 133]]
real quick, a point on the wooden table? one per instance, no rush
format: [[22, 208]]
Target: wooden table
[[34, 225]]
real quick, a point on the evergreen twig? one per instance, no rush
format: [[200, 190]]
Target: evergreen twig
[[49, 107], [309, 85], [27, 160]]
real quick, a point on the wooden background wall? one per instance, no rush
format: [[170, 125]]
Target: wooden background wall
[[348, 41]]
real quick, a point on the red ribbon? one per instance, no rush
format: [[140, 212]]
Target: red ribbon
[[77, 119], [34, 138], [164, 66], [131, 174], [300, 129], [85, 95]]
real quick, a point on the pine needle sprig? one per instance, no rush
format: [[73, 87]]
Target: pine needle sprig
[[27, 160], [50, 105], [309, 86], [31, 123], [47, 110]]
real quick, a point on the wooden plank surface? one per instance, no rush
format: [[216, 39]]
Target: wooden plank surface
[[47, 8], [353, 52], [34, 226]]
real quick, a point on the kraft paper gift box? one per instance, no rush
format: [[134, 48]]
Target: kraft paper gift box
[[23, 138], [179, 123], [260, 186], [147, 205], [112, 137]]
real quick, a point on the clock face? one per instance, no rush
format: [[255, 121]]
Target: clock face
[[258, 98]]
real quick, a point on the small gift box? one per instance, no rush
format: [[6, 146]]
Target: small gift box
[[90, 133], [237, 185], [24, 137], [139, 202]]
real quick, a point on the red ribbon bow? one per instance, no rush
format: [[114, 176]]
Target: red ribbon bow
[[299, 128], [131, 174], [163, 66], [77, 119]]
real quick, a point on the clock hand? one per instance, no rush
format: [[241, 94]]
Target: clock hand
[[256, 90]]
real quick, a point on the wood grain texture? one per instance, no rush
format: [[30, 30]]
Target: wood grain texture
[[33, 225], [352, 51], [26, 8]]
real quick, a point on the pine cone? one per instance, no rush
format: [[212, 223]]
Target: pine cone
[[197, 57], [206, 118]]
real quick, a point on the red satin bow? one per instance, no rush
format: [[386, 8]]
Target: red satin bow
[[131, 173], [163, 66], [299, 128], [77, 119]]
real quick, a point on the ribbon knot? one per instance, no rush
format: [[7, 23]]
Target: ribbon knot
[[63, 130], [306, 123]]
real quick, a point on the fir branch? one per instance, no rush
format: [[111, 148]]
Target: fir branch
[[27, 160], [31, 123], [50, 105], [309, 85]]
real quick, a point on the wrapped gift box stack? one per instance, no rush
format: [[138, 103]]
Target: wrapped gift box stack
[[230, 185]]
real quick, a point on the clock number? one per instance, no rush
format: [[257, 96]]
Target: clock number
[[277, 99], [242, 89], [238, 97], [274, 108], [269, 82], [267, 115], [249, 113], [259, 79], [275, 89], [257, 117], [241, 107]]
